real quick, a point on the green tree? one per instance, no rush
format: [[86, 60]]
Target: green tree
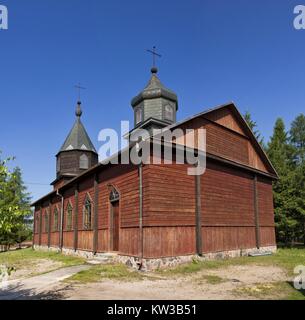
[[280, 154], [297, 138], [14, 203], [297, 141], [253, 126]]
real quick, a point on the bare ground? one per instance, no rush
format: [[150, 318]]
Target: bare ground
[[199, 286], [37, 266]]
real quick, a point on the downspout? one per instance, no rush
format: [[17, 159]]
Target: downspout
[[141, 214], [61, 220]]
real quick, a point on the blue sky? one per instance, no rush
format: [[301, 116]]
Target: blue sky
[[212, 52]]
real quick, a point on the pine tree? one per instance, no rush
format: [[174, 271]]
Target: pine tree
[[253, 126], [297, 140], [280, 154]]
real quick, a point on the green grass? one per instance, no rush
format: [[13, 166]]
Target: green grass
[[27, 257], [100, 272], [276, 290], [285, 258], [213, 279]]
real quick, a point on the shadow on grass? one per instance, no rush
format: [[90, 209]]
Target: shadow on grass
[[299, 292], [16, 292], [291, 246]]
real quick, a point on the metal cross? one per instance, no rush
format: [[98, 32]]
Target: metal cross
[[79, 87], [154, 54]]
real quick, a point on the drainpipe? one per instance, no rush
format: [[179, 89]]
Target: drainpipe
[[61, 220], [141, 214]]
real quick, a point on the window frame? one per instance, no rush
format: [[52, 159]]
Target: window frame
[[37, 221], [46, 221], [139, 109], [87, 222], [172, 118], [56, 225], [69, 217], [81, 161]]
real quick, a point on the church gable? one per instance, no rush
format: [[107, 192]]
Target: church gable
[[228, 136], [225, 118]]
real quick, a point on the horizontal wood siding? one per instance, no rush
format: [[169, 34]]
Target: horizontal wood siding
[[125, 179], [224, 139], [227, 197], [225, 118], [170, 196], [265, 203], [226, 144]]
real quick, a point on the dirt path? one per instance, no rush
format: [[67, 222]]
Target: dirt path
[[219, 284], [196, 286], [36, 287]]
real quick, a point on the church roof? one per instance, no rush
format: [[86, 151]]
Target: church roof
[[271, 174], [78, 138], [154, 89]]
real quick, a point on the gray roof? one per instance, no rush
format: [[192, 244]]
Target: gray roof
[[154, 89], [78, 138]]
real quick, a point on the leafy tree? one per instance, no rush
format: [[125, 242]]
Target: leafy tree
[[253, 126], [14, 203]]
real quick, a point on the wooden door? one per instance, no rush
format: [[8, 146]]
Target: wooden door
[[115, 226]]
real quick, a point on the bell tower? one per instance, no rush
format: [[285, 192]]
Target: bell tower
[[76, 155], [155, 107]]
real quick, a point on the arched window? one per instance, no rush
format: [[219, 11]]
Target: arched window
[[139, 115], [46, 221], [37, 223], [55, 221], [87, 214], [168, 113], [114, 194], [83, 162], [69, 213]]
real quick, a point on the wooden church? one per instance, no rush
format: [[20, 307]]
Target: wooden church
[[156, 215]]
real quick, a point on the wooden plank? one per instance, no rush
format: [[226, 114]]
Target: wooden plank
[[50, 226], [76, 219], [198, 214], [95, 218], [116, 225], [40, 225], [256, 211]]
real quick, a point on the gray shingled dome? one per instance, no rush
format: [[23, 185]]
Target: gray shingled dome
[[154, 89]]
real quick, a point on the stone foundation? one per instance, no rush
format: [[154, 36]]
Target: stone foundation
[[170, 262], [160, 263]]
